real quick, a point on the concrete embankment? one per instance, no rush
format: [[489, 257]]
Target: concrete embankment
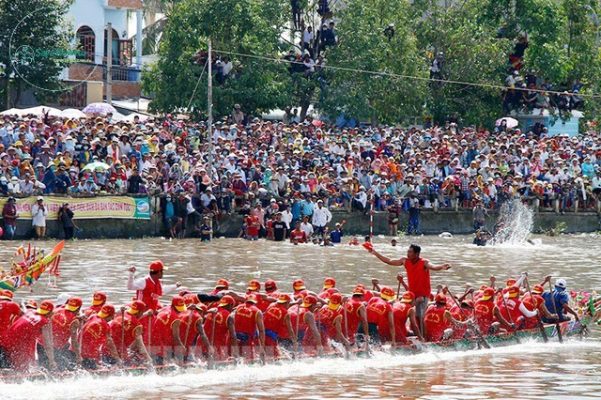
[[456, 222]]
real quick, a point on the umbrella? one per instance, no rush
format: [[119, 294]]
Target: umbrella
[[13, 111], [73, 113], [99, 109], [511, 122], [94, 165], [40, 111]]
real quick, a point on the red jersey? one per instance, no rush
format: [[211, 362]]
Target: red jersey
[[9, 312], [434, 323], [151, 293], [353, 319], [245, 321], [532, 303], [124, 327], [162, 334], [22, 337], [418, 277], [216, 329], [93, 337], [275, 322], [460, 314], [188, 328], [400, 314], [298, 235], [378, 311], [62, 320], [326, 317], [512, 312], [484, 315]]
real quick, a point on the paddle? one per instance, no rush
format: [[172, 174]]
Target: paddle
[[539, 321], [557, 327], [187, 335], [481, 338], [515, 334], [298, 317], [211, 359], [123, 333]]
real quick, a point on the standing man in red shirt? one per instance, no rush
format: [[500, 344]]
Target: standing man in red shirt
[[150, 289], [418, 274]]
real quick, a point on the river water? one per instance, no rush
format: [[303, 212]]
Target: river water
[[531, 370]]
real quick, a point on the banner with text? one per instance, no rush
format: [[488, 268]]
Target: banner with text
[[88, 207]]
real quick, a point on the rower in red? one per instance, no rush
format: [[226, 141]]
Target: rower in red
[[192, 329], [302, 318], [29, 329], [250, 331], [487, 314], [355, 315], [403, 312], [219, 327], [380, 317], [330, 319], [536, 302], [167, 343], [150, 288], [278, 328], [127, 335], [418, 275], [98, 300], [9, 312], [437, 321], [65, 335], [263, 300], [96, 337], [513, 310]]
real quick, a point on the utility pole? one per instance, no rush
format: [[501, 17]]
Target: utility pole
[[210, 109], [109, 63]]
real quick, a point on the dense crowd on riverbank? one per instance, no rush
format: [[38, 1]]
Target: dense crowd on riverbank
[[294, 165]]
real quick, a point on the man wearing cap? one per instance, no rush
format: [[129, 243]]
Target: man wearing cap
[[355, 316], [486, 313], [25, 332], [558, 302], [98, 300], [192, 329], [302, 318], [9, 312], [263, 301], [278, 328], [437, 320], [513, 310], [39, 212], [220, 286], [96, 337], [380, 317], [328, 283], [403, 311], [418, 276], [220, 329], [250, 330], [330, 318], [65, 335], [271, 289], [9, 215], [166, 341], [127, 334], [150, 289]]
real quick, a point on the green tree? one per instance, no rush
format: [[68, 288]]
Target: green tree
[[470, 52], [363, 46], [34, 47], [237, 28]]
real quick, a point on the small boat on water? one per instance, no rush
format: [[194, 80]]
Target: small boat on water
[[571, 329]]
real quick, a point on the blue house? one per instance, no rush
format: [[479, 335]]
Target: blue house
[[554, 123]]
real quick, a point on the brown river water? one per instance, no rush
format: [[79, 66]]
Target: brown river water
[[528, 371]]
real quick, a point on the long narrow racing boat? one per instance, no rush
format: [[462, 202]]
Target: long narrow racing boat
[[574, 329]]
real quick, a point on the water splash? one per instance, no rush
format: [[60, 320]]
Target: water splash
[[514, 224]]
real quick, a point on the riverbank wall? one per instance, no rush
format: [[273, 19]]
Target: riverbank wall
[[431, 223]]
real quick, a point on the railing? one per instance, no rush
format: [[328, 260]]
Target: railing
[[124, 74]]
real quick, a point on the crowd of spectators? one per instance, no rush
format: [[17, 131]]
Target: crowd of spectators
[[275, 166]]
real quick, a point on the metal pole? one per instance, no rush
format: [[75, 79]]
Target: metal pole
[[210, 110], [109, 63]]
